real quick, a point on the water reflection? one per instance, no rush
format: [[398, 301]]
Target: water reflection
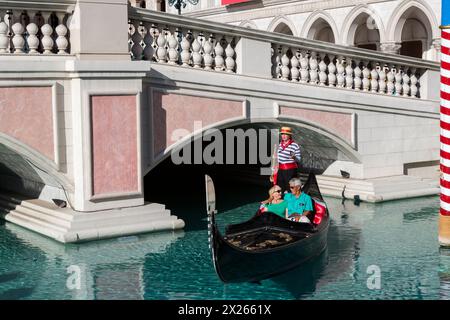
[[107, 269], [444, 274], [399, 236], [338, 259]]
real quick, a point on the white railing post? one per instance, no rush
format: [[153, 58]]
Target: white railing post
[[93, 37]]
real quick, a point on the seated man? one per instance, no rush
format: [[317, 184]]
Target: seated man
[[299, 204]]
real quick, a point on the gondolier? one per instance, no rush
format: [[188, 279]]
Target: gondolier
[[288, 156]]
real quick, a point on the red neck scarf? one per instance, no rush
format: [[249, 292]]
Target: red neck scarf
[[284, 145]]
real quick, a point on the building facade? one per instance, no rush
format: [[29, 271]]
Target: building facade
[[408, 28]]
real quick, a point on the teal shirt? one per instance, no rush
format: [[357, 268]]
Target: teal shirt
[[298, 205], [278, 209]]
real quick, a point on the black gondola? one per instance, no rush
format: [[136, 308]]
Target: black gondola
[[266, 245]]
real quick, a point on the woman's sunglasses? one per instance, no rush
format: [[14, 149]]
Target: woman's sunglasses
[[277, 191]]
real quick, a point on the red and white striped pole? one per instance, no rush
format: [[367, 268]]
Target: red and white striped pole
[[444, 216]]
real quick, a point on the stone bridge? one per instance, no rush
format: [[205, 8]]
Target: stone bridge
[[87, 109]]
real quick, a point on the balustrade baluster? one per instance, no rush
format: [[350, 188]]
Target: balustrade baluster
[[196, 50], [398, 81], [390, 80], [229, 51], [172, 43], [366, 75], [304, 72], [274, 61], [47, 41], [131, 31], [340, 72], [331, 71], [414, 81], [295, 72], [406, 79], [139, 41], [349, 73], [161, 52], [219, 51], [186, 49], [322, 69], [18, 40], [61, 42], [374, 77], [4, 39], [285, 71], [357, 80], [381, 78], [32, 40], [208, 49], [313, 74]]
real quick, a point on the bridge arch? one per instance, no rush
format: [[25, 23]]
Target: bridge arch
[[25, 171], [315, 140]]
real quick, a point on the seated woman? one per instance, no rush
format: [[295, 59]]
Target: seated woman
[[275, 203]]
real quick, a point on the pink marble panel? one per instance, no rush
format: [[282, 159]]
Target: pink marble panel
[[175, 111], [338, 123], [114, 144], [26, 114]]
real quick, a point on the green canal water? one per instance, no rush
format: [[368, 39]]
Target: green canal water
[[398, 238]]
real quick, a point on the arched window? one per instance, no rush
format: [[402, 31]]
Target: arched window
[[283, 28], [364, 32], [413, 32], [321, 30]]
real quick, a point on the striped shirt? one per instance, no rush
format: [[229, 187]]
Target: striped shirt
[[284, 156]]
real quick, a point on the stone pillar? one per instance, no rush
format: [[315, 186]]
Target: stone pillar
[[253, 58], [94, 37], [390, 47]]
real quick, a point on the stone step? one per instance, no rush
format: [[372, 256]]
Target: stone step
[[171, 223], [66, 225], [151, 208], [48, 208], [37, 220], [405, 185], [80, 223], [37, 226], [44, 216]]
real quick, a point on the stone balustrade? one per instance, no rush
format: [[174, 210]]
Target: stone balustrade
[[32, 28], [350, 72], [184, 41], [151, 37]]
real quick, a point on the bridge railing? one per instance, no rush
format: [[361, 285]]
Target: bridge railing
[[189, 42], [35, 28], [168, 39]]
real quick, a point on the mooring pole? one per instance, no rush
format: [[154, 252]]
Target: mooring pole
[[444, 215]]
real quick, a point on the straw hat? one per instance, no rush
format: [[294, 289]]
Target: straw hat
[[286, 130]]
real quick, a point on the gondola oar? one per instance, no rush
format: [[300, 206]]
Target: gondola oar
[[211, 211]]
